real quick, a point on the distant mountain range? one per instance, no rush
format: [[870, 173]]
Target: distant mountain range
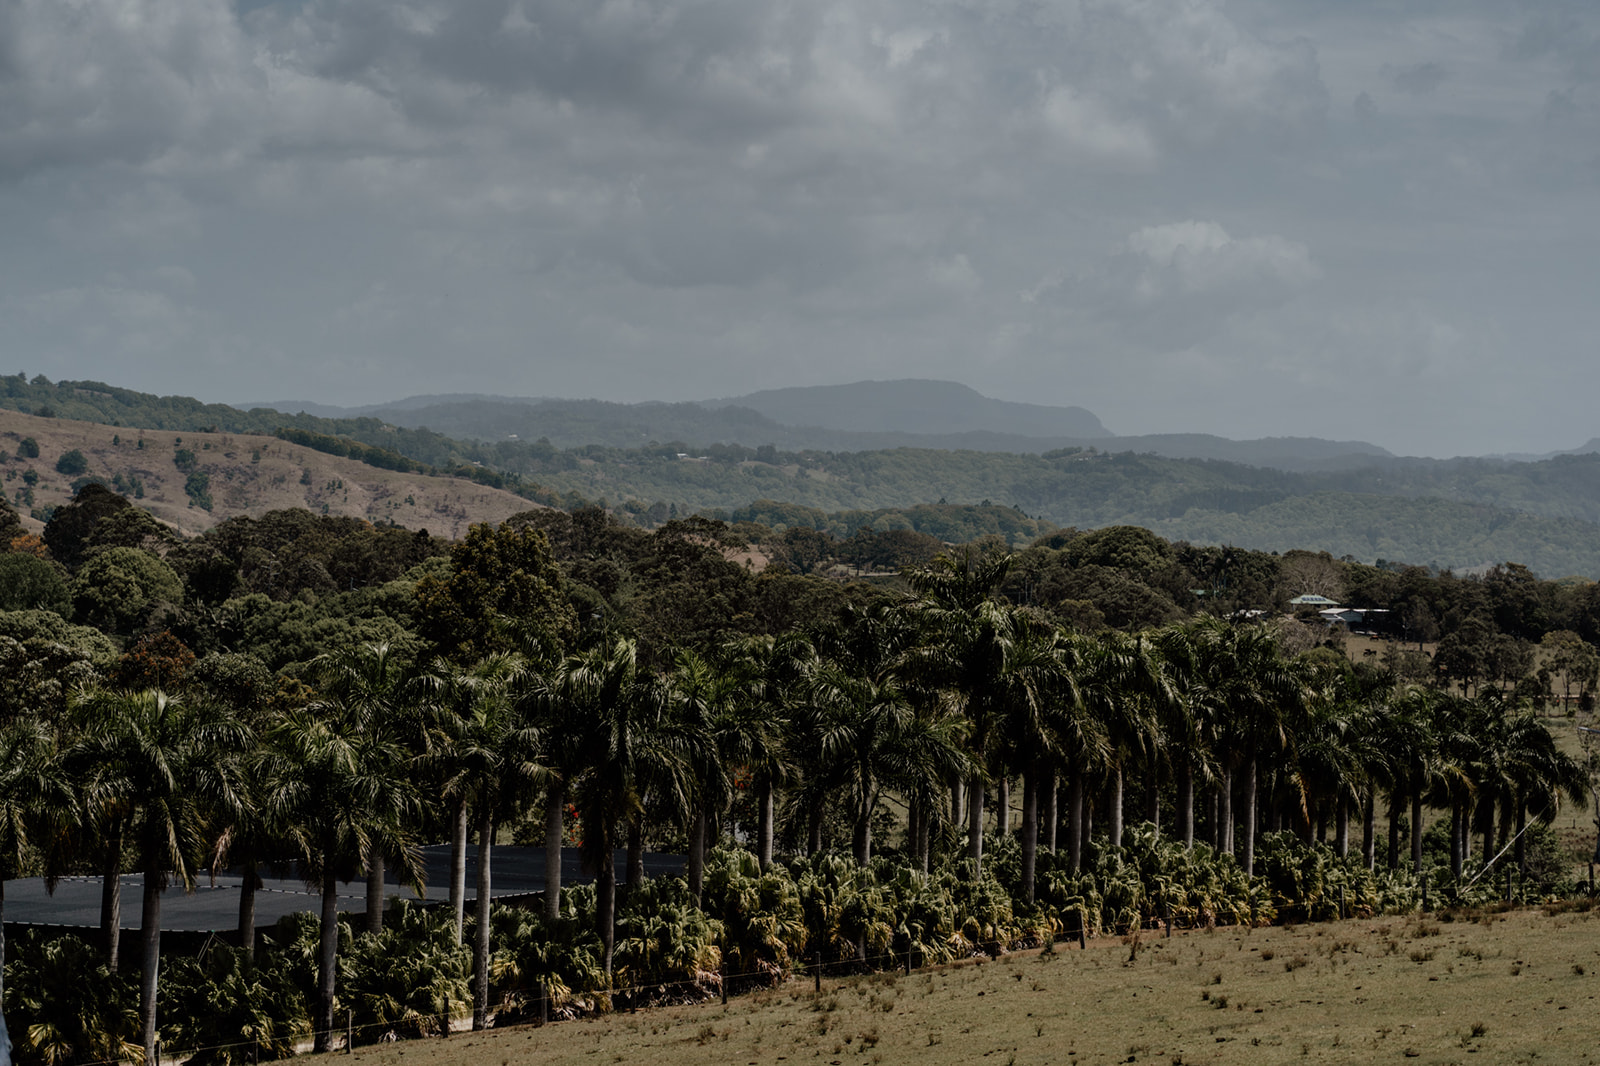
[[864, 416], [650, 461]]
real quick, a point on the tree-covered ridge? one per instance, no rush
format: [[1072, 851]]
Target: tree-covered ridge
[[1459, 514], [1104, 730]]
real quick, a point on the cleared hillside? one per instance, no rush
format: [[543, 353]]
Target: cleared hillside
[[232, 474]]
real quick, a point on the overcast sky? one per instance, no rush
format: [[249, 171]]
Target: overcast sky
[[1365, 219]]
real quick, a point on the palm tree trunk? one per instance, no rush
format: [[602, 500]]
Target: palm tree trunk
[[1369, 828], [1075, 821], [814, 830], [764, 821], [480, 953], [924, 833], [1030, 829], [327, 964], [1416, 833], [1114, 808], [554, 807], [1456, 827], [1152, 800], [5, 1037], [247, 911], [697, 853], [1522, 823], [1486, 821], [150, 934], [374, 891], [861, 839], [635, 871], [458, 867], [1002, 805], [111, 897], [975, 824], [1051, 815], [1186, 803], [1225, 814], [1396, 802], [1341, 826], [605, 906], [958, 801], [1250, 801]]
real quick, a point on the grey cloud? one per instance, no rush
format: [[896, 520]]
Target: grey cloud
[[1175, 285], [701, 197], [1418, 79]]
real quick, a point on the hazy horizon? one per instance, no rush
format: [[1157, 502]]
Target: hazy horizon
[[1248, 218]]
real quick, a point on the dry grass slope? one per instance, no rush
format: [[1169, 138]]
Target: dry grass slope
[[249, 475], [1512, 988]]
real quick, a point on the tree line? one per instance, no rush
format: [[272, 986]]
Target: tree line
[[564, 678]]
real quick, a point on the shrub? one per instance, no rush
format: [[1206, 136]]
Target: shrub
[[72, 463]]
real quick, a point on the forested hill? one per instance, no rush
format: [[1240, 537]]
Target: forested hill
[[1460, 514]]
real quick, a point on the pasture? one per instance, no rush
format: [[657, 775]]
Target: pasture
[[1512, 987]]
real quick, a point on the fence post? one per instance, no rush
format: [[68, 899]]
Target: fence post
[[1341, 903], [349, 1031], [1424, 891], [544, 1003], [817, 962]]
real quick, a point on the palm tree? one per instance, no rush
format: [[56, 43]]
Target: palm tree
[[626, 743], [1044, 718], [1408, 736], [248, 840], [703, 696], [340, 793], [1126, 687], [494, 756], [1190, 723], [1251, 694], [871, 730], [970, 639], [35, 794], [769, 673], [169, 766], [371, 688]]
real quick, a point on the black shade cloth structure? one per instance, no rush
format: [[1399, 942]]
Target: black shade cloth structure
[[214, 904]]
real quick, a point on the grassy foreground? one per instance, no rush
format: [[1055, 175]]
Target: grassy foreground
[[1514, 987]]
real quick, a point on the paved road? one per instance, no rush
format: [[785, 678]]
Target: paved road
[[214, 905]]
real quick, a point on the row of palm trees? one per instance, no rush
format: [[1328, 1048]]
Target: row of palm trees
[[939, 702]]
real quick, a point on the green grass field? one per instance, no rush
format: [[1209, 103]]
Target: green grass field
[[1510, 987]]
